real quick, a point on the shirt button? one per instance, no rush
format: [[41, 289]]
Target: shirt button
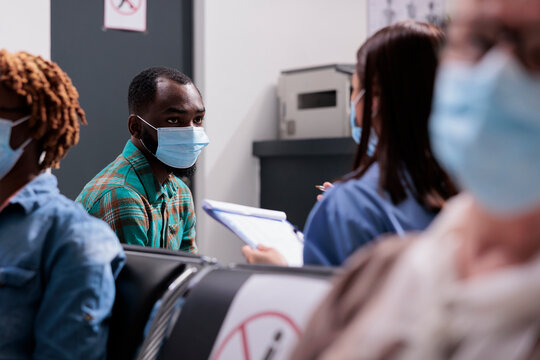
[[88, 317]]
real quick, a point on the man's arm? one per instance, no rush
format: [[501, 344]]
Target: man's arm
[[79, 291], [124, 210]]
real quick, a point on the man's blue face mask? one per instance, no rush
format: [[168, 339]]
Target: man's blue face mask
[[179, 147], [356, 131], [485, 130]]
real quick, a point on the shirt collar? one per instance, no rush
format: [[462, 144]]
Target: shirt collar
[[141, 166], [35, 193]]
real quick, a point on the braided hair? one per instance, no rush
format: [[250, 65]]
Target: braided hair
[[52, 98]]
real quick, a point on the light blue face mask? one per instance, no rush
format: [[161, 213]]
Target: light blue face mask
[[179, 147], [485, 130], [357, 130], [9, 156]]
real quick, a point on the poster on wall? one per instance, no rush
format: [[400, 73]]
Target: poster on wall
[[382, 13], [127, 15]]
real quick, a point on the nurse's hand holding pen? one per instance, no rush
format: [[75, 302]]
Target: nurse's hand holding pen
[[268, 255], [327, 185]]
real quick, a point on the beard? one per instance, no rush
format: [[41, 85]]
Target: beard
[[148, 141], [188, 172]]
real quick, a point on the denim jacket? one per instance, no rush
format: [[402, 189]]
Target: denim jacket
[[57, 270]]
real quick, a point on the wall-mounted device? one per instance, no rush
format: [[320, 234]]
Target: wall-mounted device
[[315, 102]]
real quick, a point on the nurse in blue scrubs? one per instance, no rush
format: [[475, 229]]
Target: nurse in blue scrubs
[[396, 185]]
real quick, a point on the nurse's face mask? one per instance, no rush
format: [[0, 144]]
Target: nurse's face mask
[[179, 147], [356, 131]]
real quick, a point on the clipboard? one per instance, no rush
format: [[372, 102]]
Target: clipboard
[[257, 226]]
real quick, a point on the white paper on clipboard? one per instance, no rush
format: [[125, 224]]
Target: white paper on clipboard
[[259, 226]]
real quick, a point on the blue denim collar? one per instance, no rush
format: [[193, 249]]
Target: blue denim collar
[[34, 194]]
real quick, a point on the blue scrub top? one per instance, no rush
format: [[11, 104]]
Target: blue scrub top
[[354, 213]]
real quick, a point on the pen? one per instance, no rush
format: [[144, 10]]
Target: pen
[[320, 187]]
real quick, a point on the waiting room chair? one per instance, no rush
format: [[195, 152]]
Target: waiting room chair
[[145, 277], [260, 308]]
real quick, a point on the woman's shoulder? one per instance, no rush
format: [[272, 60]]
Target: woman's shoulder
[[358, 190], [354, 205], [368, 181]]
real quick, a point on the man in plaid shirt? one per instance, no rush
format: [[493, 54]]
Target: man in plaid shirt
[[140, 194]]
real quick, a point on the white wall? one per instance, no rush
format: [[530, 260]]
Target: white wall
[[26, 25], [240, 48]]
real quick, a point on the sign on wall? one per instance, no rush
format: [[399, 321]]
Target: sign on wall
[[382, 13], [125, 15]]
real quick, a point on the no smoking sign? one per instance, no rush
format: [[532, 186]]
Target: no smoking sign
[[125, 15], [266, 335], [267, 316], [126, 7]]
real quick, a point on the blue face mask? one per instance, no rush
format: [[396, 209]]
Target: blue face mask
[[9, 156], [357, 130], [485, 130], [179, 147]]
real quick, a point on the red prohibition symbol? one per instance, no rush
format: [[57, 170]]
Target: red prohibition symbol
[[241, 330], [126, 7]]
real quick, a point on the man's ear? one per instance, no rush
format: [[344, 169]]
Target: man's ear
[[134, 126]]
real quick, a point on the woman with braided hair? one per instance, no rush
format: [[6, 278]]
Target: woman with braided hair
[[57, 263], [51, 99]]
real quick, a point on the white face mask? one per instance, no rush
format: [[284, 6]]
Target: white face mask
[[179, 147], [9, 156]]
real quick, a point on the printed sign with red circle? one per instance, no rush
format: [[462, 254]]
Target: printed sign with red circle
[[125, 15], [126, 7], [267, 316], [265, 335]]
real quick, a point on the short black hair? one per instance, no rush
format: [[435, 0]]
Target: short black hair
[[142, 89]]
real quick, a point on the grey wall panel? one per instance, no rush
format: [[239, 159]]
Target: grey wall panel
[[290, 169], [101, 64]]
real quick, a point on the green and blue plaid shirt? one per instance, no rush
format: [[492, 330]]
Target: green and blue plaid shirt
[[139, 209]]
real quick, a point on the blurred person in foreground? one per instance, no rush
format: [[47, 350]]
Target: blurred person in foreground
[[57, 263], [469, 286]]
